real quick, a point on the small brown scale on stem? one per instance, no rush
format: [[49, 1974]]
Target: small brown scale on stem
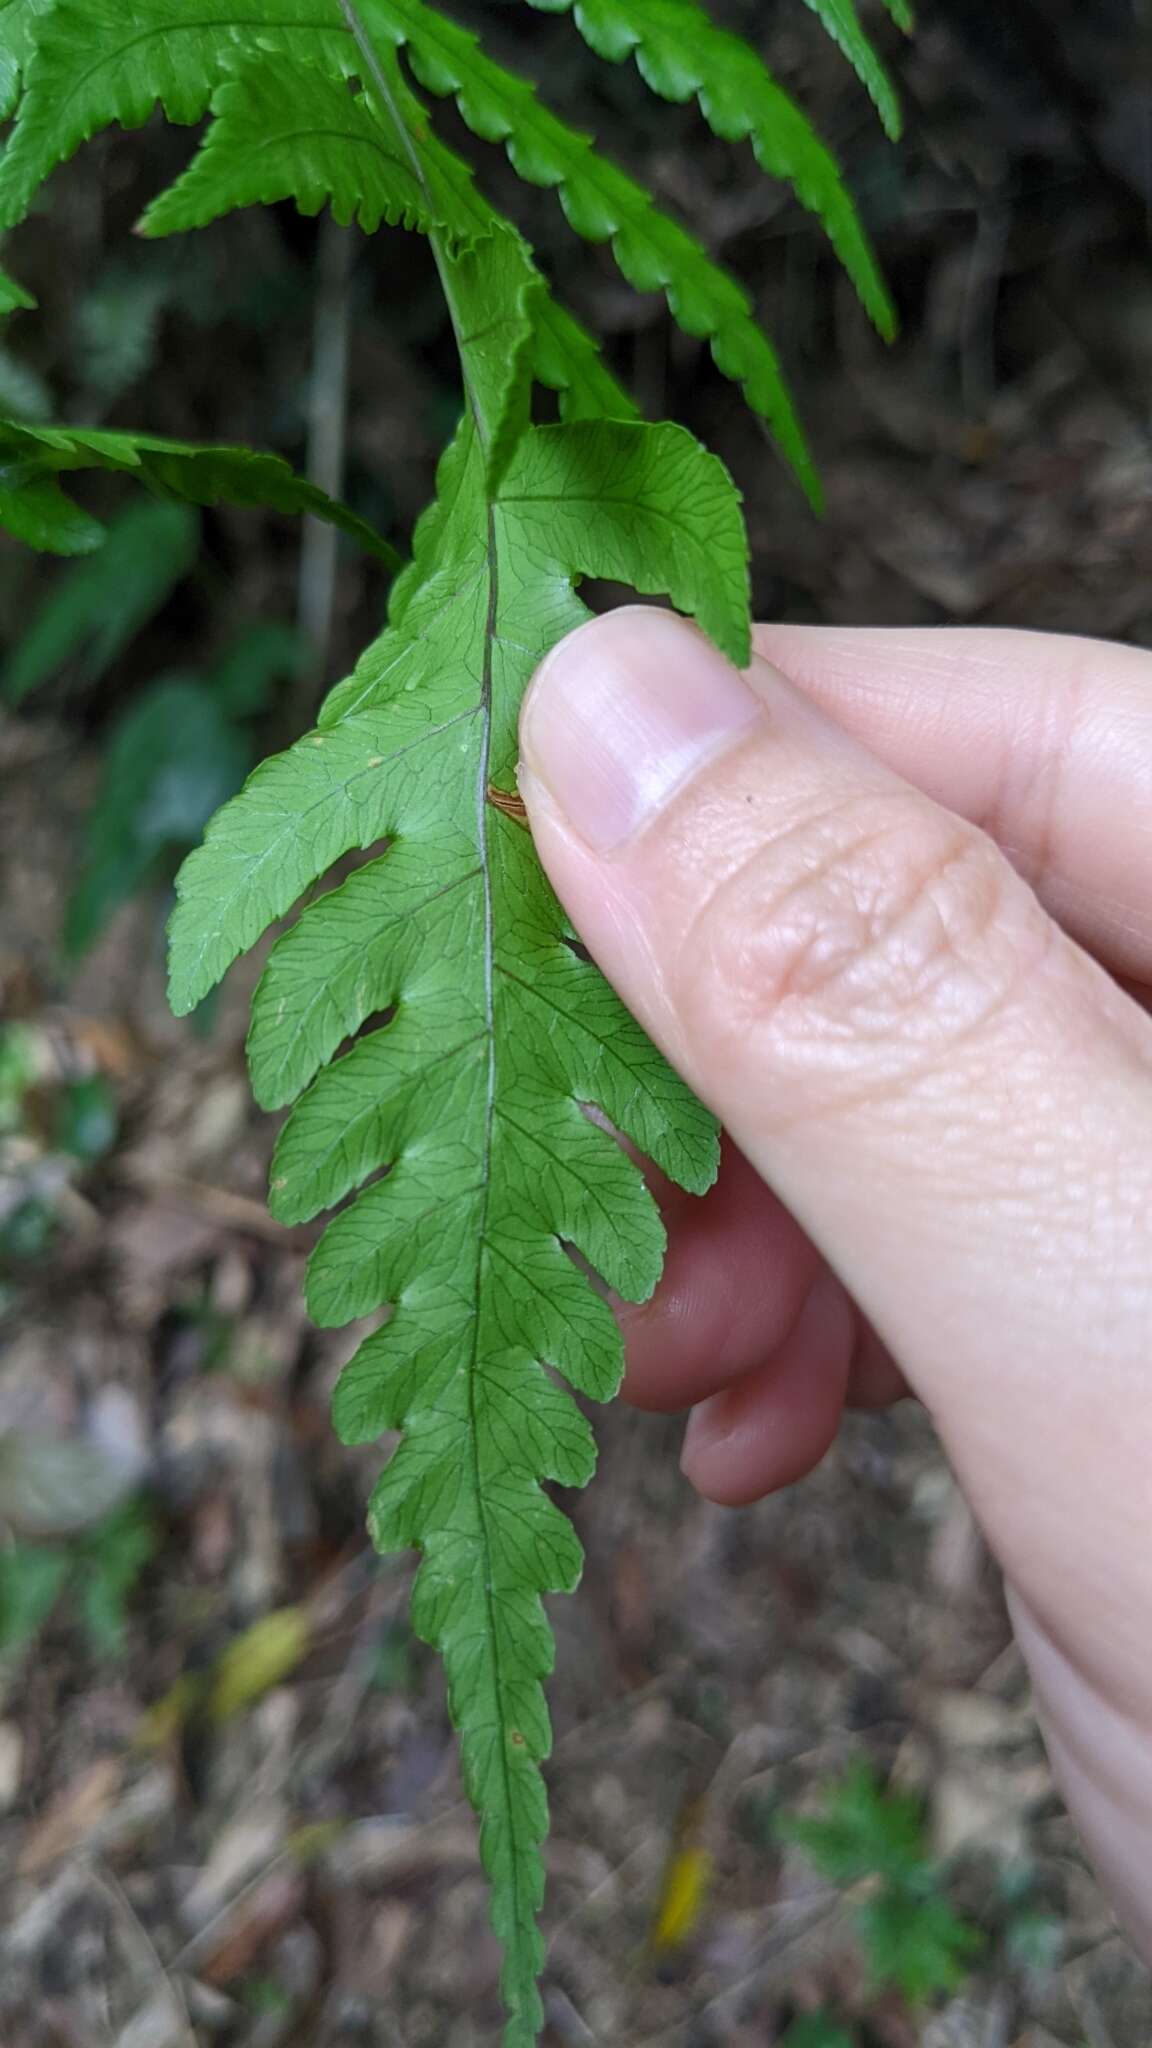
[[507, 801]]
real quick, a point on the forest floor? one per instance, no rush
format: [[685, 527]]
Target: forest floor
[[229, 1804]]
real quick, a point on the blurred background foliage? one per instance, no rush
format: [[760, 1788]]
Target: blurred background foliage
[[799, 1795]]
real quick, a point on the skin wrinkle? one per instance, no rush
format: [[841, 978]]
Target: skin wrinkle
[[877, 948], [990, 1218], [1122, 918], [941, 704], [741, 980], [719, 833], [706, 992]]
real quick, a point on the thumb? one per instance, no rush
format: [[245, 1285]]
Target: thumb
[[946, 1092]]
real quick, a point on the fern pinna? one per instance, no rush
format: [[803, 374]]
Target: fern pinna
[[463, 1117]]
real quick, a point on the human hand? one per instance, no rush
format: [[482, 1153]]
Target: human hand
[[892, 919]]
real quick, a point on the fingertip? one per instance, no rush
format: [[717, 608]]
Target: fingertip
[[736, 1275], [620, 715], [774, 1425]]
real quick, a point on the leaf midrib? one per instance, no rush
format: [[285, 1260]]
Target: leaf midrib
[[516, 1857]]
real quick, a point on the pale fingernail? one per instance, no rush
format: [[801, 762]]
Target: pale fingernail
[[622, 714]]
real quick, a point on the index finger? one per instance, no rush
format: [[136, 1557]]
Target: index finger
[[1044, 740]]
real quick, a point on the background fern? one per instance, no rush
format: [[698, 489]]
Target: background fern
[[463, 1117], [94, 65]]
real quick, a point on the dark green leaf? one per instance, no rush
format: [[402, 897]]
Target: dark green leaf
[[13, 297], [863, 1830], [18, 1069], [86, 1118], [817, 2030], [174, 758], [27, 1230], [108, 1565], [19, 25], [202, 474], [94, 610], [244, 678], [35, 510], [31, 1580], [916, 1942]]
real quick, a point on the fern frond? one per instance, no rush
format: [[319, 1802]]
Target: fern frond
[[18, 25], [283, 132], [280, 132], [682, 55], [287, 124], [93, 611], [601, 203], [843, 24], [13, 297], [568, 361], [35, 510], [99, 61], [18, 20], [472, 1096]]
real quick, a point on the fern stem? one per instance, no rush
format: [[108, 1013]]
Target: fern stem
[[435, 239], [519, 1981]]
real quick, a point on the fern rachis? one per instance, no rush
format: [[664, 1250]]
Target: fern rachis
[[458, 1132]]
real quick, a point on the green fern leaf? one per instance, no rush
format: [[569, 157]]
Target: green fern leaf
[[567, 361], [843, 24], [283, 128], [95, 610], [642, 505], [13, 297], [99, 61], [472, 1095], [682, 55], [18, 25], [284, 131], [902, 14], [499, 343], [601, 203], [34, 509], [260, 149]]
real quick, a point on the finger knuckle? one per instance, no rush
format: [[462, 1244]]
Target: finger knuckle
[[859, 947]]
